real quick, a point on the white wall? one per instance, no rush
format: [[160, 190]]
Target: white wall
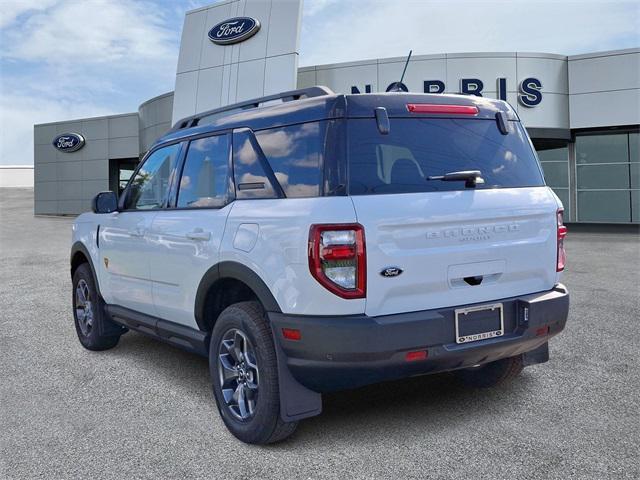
[[599, 89], [605, 89], [550, 69], [211, 75], [16, 176]]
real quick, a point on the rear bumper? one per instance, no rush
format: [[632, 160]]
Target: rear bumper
[[336, 353]]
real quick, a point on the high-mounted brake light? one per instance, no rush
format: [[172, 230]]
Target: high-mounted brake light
[[562, 233], [446, 109], [337, 258]]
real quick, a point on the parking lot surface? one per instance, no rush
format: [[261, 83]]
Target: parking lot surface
[[145, 409]]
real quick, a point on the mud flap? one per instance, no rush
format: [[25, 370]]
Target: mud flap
[[539, 355], [296, 400], [107, 327]]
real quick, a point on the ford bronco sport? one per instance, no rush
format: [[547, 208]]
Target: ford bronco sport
[[309, 242]]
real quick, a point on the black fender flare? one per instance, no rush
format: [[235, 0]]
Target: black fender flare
[[78, 246], [237, 271]]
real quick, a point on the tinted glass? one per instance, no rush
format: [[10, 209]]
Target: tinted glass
[[602, 148], [414, 149], [150, 186], [204, 180], [295, 155], [634, 147], [599, 206], [250, 178], [556, 174], [603, 176], [554, 154]]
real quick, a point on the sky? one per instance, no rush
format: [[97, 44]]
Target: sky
[[65, 59]]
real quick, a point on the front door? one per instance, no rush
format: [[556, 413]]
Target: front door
[[185, 240], [124, 244]]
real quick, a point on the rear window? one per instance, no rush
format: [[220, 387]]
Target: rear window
[[416, 148]]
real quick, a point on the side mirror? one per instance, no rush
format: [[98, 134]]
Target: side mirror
[[104, 202]]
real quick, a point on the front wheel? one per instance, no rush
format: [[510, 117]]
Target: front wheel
[[491, 374], [244, 372], [88, 312]]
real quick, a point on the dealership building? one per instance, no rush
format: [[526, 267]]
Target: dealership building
[[582, 112]]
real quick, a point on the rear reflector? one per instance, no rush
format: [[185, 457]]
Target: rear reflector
[[291, 333], [417, 355], [542, 331], [446, 109]]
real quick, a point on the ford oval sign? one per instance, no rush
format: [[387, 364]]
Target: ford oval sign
[[234, 30], [68, 142]]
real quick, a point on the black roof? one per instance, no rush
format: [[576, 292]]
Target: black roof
[[320, 103]]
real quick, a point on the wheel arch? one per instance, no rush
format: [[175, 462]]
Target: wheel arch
[[79, 255], [229, 274]]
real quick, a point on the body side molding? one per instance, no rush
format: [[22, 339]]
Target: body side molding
[[180, 336]]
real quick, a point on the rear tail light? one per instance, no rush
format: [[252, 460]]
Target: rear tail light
[[337, 258], [447, 109], [562, 233]]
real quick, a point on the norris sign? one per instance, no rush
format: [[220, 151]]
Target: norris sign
[[529, 90]]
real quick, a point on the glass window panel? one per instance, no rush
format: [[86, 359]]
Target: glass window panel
[[295, 155], [634, 147], [603, 176], [612, 206], [417, 148], [635, 206], [556, 174], [635, 175], [554, 155], [602, 148], [150, 186], [250, 176], [563, 194], [204, 181]]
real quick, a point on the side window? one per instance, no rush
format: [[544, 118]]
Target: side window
[[295, 154], [205, 176], [250, 177], [150, 186]]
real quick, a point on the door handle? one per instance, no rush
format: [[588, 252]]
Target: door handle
[[199, 234], [137, 232]]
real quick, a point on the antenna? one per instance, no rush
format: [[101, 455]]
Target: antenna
[[406, 65], [399, 86]]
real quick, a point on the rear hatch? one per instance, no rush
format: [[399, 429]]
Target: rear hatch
[[433, 243]]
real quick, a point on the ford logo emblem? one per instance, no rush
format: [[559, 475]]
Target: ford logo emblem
[[391, 272], [68, 142], [234, 30]]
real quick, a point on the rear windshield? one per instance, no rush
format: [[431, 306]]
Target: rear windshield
[[400, 161]]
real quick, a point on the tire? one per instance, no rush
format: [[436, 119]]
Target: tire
[[491, 374], [88, 314], [251, 375]]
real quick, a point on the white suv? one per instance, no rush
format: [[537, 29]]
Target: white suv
[[309, 242]]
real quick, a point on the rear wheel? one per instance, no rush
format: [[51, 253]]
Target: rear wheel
[[88, 312], [491, 374], [244, 372]]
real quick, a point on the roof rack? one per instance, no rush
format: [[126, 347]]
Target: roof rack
[[192, 121]]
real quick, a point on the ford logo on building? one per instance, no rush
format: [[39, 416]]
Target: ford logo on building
[[234, 30], [68, 142]]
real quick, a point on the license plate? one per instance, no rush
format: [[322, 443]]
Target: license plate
[[479, 323]]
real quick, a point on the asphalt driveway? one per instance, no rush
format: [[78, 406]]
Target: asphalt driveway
[[145, 409]]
